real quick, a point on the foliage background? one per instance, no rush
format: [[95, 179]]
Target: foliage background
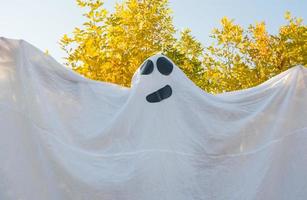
[[110, 46]]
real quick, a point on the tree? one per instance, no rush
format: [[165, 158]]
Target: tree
[[187, 53], [245, 58], [110, 46]]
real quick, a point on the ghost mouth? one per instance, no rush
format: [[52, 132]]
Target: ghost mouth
[[159, 95]]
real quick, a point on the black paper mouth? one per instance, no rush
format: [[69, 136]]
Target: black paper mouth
[[159, 95]]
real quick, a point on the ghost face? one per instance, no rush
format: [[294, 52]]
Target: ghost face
[[165, 67]]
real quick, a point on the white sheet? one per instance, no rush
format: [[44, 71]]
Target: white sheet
[[65, 137]]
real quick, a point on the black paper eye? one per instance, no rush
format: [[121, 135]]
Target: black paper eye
[[159, 95], [147, 67], [164, 66]]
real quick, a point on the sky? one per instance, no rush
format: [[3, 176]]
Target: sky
[[43, 22]]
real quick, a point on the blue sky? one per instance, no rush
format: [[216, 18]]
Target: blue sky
[[43, 22]]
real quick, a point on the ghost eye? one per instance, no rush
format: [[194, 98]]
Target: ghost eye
[[164, 66], [147, 67]]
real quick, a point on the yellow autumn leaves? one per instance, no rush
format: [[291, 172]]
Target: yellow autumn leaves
[[110, 46]]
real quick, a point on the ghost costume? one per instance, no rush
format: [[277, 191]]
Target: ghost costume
[[65, 137]]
